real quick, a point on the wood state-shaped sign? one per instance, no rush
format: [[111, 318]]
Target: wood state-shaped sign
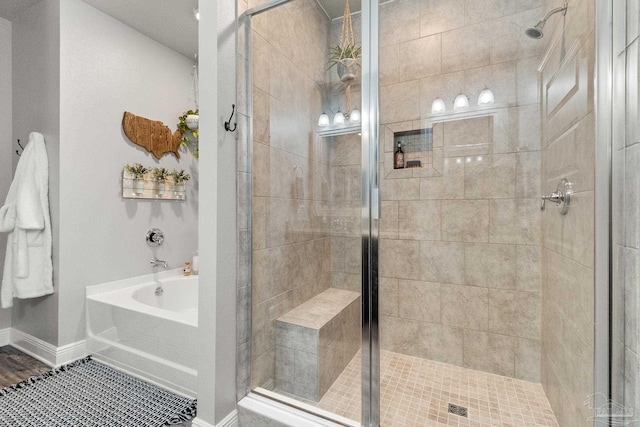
[[152, 135]]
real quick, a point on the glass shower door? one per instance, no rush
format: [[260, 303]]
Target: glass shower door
[[306, 215], [460, 231]]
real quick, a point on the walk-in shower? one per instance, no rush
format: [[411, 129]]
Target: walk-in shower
[[467, 293]]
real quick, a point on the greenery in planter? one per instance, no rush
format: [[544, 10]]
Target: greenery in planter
[[180, 176], [161, 174], [137, 170], [338, 54], [184, 129]]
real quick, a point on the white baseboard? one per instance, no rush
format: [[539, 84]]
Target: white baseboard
[[230, 420], [45, 352], [5, 336], [70, 352]]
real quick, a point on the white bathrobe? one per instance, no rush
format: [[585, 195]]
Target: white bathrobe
[[28, 269]]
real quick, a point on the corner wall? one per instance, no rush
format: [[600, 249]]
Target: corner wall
[[217, 309], [6, 147], [36, 107], [568, 146]]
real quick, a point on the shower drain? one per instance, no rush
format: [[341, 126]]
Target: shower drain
[[457, 410]]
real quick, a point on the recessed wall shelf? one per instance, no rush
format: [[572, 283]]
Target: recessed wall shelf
[[150, 188]]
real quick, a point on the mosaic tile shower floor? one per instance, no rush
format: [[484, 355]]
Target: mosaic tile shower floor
[[416, 392]]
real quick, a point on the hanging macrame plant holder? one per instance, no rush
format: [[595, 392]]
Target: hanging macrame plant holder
[[347, 65]]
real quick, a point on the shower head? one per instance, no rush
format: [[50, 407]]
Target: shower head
[[535, 32]]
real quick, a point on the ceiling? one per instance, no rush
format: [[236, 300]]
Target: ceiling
[[169, 22], [335, 8], [10, 9]]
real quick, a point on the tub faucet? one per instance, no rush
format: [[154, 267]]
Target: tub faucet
[[156, 262]]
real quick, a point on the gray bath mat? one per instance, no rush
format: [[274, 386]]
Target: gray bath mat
[[86, 393]]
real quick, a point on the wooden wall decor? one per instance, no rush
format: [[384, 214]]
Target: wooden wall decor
[[152, 135]]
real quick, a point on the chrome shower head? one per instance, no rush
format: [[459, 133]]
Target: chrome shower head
[[535, 32]]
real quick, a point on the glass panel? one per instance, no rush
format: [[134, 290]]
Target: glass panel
[[625, 213], [306, 215], [461, 230]]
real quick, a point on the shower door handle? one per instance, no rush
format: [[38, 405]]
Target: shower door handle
[[375, 203]]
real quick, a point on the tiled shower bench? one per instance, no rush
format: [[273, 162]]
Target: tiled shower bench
[[315, 342]]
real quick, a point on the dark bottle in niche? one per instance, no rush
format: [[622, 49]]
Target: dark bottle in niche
[[398, 157]]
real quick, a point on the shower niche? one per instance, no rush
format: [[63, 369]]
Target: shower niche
[[436, 145], [417, 145]]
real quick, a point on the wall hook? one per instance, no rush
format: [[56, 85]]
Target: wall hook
[[19, 153], [227, 125]]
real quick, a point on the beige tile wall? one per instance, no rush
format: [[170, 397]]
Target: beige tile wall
[[291, 259], [460, 239], [626, 211], [345, 159], [568, 241]]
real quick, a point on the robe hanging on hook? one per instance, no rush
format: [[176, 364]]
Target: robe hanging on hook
[[227, 125]]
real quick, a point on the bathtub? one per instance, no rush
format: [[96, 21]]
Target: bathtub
[[150, 336]]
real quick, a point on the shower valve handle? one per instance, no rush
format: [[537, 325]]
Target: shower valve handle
[[554, 197], [561, 197], [154, 237]]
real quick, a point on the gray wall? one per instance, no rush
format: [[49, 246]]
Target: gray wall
[[108, 68], [217, 226], [77, 70], [6, 150], [36, 107]]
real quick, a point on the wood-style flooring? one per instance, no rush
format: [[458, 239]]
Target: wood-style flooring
[[15, 366]]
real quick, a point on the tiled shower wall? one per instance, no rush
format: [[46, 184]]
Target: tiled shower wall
[[460, 238], [568, 240], [291, 244], [626, 211]]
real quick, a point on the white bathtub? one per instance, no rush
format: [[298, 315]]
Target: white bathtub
[[151, 336]]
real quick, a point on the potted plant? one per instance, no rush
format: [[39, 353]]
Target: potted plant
[[188, 124], [161, 175], [345, 57], [137, 171], [179, 178]]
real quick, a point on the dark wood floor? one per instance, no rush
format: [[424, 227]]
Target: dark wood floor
[[15, 366]]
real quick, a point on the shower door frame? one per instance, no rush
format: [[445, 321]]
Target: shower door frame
[[371, 213], [603, 75]]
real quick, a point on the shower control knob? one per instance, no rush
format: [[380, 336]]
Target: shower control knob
[[561, 197], [155, 237]]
